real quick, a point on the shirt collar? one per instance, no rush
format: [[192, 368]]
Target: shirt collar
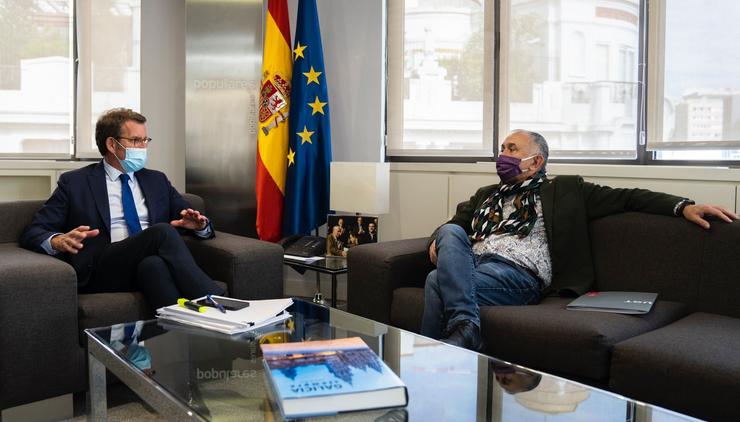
[[113, 173]]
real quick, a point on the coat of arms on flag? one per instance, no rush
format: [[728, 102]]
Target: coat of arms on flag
[[273, 99]]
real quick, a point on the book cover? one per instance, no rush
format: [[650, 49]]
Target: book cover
[[618, 302], [330, 376]]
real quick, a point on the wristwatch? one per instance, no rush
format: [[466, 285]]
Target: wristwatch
[[678, 209]]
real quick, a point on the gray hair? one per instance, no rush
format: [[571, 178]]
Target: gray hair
[[539, 142]]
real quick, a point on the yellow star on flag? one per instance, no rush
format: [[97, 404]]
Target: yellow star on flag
[[317, 106], [291, 157], [312, 75], [305, 136], [299, 51]]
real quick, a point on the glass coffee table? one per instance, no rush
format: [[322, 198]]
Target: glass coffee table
[[187, 373]]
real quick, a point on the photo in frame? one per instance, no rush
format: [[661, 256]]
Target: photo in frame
[[345, 231]]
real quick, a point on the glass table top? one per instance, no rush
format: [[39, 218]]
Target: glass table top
[[328, 264], [221, 377]]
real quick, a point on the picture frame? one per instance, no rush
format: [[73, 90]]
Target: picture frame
[[352, 230]]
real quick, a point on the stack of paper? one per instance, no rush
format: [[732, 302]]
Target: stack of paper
[[258, 314]]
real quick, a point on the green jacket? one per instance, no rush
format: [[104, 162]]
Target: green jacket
[[568, 205]]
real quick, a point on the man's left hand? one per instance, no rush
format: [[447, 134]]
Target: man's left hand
[[696, 214], [191, 220]]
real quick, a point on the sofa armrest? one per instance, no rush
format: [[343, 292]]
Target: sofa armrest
[[253, 269], [375, 270], [38, 333]]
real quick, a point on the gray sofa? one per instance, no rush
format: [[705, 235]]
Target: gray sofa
[[684, 355], [42, 351]]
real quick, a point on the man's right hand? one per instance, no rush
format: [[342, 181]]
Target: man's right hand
[[433, 252], [71, 242]]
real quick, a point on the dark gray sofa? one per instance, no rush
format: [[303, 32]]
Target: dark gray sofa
[[684, 355], [42, 352]]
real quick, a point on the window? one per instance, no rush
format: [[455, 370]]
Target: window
[[109, 43], [35, 78], [440, 90], [561, 80], [38, 101], [566, 69], [694, 67]]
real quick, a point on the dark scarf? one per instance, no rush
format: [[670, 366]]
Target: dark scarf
[[488, 218]]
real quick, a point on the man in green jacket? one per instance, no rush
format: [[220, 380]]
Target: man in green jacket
[[513, 241]]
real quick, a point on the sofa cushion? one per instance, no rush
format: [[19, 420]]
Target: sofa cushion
[[691, 366], [105, 309], [407, 308], [573, 343], [651, 253], [16, 216]]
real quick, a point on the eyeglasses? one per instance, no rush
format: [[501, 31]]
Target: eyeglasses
[[138, 142]]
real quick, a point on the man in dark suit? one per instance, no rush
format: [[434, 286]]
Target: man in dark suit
[[514, 241], [372, 233], [117, 223]]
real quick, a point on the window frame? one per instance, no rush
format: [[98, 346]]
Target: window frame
[[645, 55], [80, 114], [394, 128], [58, 156]]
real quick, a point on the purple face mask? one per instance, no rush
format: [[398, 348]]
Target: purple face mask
[[508, 168]]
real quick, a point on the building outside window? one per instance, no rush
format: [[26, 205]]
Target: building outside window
[[38, 49], [694, 68], [569, 69], [35, 78]]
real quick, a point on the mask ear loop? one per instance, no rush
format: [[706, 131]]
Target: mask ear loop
[[531, 156]]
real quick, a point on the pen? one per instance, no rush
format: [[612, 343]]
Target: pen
[[218, 305], [185, 303]]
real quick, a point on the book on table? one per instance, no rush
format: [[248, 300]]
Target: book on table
[[239, 315], [330, 376], [635, 303]]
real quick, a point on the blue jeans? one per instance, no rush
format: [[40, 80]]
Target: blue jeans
[[462, 282]]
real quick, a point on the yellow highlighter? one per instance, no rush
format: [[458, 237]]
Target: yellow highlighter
[[185, 303]]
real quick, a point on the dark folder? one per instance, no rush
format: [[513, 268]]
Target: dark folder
[[618, 302]]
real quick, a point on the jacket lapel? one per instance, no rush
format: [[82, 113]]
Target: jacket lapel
[[96, 180], [146, 190]]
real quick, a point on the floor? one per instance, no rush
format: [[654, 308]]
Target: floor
[[123, 405]]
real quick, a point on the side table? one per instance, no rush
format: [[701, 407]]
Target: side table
[[330, 265]]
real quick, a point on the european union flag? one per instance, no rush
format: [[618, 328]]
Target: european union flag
[[309, 141]]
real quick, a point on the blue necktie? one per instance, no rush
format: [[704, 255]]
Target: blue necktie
[[129, 207]]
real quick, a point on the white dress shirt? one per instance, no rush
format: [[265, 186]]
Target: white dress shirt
[[118, 227]]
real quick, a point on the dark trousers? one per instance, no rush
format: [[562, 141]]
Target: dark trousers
[[155, 262]]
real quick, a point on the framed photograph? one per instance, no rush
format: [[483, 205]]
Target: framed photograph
[[346, 231]]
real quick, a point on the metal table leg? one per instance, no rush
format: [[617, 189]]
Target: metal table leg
[[318, 297], [97, 405], [333, 290]]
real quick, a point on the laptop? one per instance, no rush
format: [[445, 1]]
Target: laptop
[[635, 303]]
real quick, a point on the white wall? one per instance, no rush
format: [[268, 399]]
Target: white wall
[[424, 195], [163, 85], [353, 38]]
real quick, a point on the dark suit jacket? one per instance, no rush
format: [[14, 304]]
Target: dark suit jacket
[[81, 199], [334, 247], [568, 205]]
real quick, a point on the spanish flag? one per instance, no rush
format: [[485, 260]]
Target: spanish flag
[[272, 134]]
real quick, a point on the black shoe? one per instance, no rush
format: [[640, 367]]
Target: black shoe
[[465, 334]]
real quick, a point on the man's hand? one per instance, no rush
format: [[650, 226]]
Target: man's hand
[[191, 220], [695, 214], [433, 252], [71, 242]]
